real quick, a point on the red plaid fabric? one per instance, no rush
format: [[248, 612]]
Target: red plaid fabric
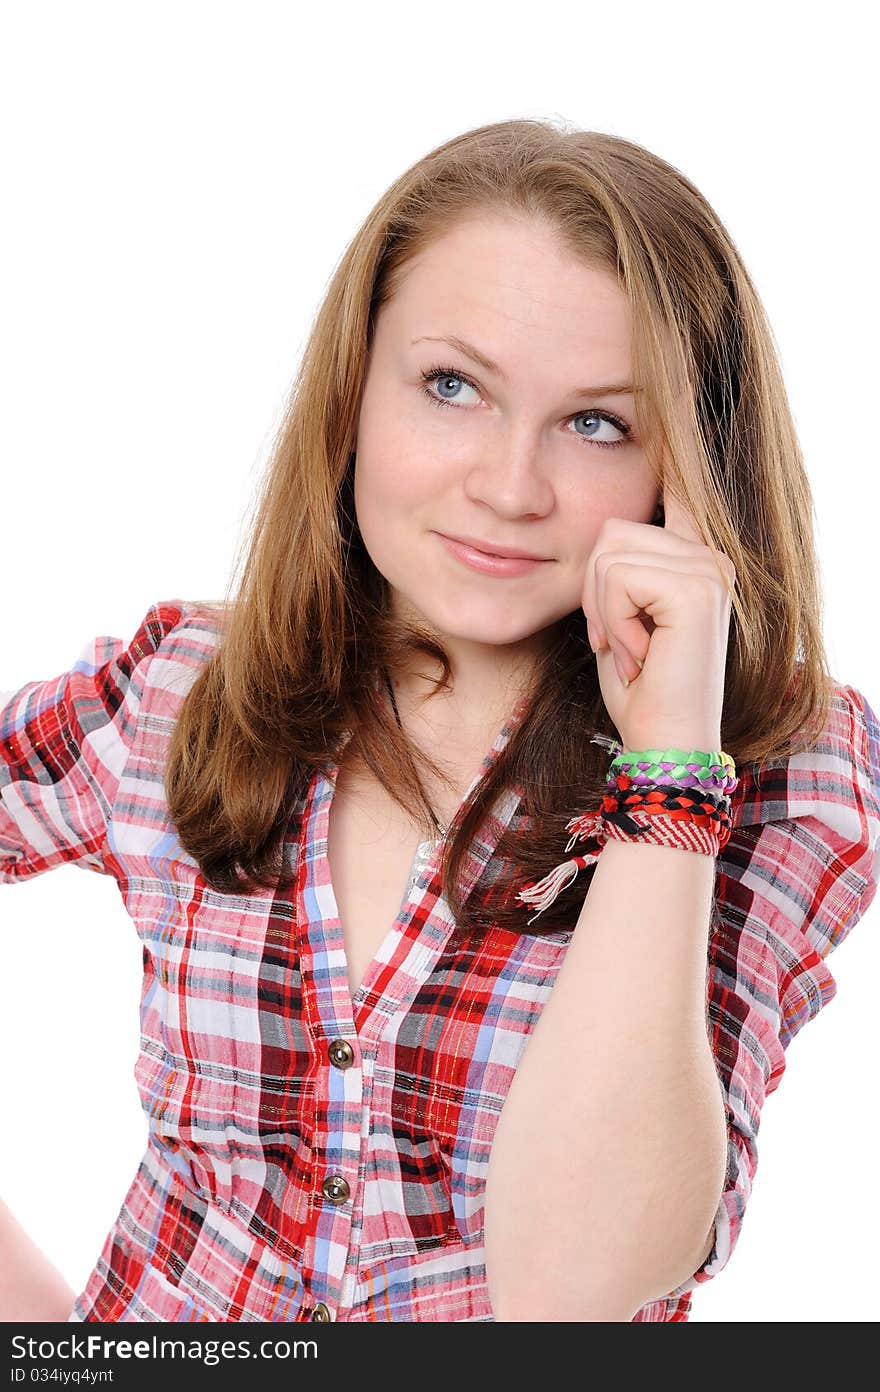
[[313, 1157]]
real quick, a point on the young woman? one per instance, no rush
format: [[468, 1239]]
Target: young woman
[[451, 1010]]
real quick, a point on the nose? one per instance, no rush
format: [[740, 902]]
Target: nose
[[509, 476]]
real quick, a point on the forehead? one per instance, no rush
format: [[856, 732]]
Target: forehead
[[512, 281]]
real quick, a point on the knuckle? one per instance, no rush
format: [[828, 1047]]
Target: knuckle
[[708, 586]]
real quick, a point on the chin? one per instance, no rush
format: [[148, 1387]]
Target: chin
[[485, 628]]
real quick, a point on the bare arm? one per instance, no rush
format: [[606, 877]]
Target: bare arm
[[607, 1165], [31, 1288]]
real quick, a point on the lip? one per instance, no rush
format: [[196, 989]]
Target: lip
[[490, 563], [491, 548]]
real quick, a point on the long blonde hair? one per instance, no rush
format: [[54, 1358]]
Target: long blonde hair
[[308, 629]]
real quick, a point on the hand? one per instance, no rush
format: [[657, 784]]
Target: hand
[[669, 575]]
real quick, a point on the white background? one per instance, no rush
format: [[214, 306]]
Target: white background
[[179, 181]]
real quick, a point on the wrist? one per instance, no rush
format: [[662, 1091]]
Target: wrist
[[706, 742]]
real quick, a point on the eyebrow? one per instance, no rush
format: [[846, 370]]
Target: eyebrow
[[462, 345]]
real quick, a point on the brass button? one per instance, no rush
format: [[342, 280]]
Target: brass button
[[335, 1188], [320, 1312], [341, 1053]]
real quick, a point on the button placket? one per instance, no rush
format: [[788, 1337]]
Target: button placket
[[347, 1030]]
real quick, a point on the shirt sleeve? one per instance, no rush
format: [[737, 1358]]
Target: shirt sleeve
[[63, 746], [793, 880]]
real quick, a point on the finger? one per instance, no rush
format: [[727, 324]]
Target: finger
[[621, 631], [628, 667], [678, 520], [665, 592], [597, 617], [622, 536]]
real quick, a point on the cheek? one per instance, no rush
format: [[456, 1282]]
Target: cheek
[[387, 485], [396, 469], [404, 459], [582, 513], [587, 505]]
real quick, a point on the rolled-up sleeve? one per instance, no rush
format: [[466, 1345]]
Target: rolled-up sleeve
[[64, 743], [793, 880]]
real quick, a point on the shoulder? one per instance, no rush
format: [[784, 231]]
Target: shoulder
[[802, 864], [836, 780], [170, 625], [173, 641]]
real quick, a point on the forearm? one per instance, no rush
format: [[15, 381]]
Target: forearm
[[607, 1164], [31, 1288]]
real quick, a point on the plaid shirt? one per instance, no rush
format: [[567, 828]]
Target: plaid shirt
[[314, 1157]]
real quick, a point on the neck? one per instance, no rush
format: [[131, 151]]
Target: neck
[[485, 683], [485, 679], [460, 719]]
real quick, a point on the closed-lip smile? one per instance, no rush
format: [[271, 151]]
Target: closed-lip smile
[[493, 548]]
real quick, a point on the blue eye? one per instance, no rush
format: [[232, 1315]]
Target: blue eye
[[446, 377], [607, 417], [443, 376]]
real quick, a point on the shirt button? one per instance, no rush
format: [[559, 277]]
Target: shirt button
[[320, 1312], [335, 1188], [341, 1053]]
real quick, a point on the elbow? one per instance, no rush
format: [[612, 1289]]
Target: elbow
[[552, 1296], [627, 1244], [662, 1258], [609, 1305], [539, 1312]]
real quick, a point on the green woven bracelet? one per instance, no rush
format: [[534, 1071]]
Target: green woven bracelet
[[688, 764]]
